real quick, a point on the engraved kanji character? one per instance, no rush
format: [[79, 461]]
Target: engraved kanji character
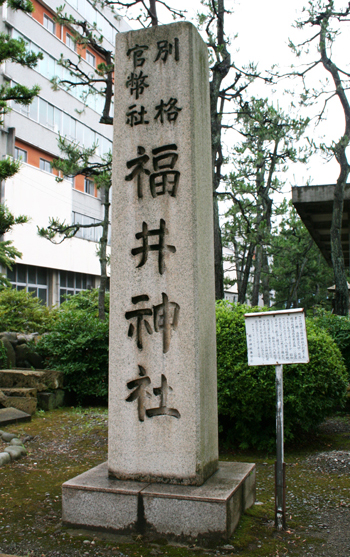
[[169, 109], [165, 48], [135, 117], [140, 394], [137, 55], [166, 317], [140, 315], [164, 160], [162, 409], [138, 170], [137, 83], [145, 248]]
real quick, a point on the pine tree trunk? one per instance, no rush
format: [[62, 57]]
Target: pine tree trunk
[[341, 303], [266, 280], [245, 278], [257, 274], [219, 272], [103, 256]]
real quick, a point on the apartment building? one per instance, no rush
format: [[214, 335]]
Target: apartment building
[[31, 133]]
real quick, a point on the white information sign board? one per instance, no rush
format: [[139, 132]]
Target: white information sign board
[[276, 337]]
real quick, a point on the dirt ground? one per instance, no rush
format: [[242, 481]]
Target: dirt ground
[[66, 442]]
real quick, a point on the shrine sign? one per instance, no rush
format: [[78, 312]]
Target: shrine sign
[[276, 337]]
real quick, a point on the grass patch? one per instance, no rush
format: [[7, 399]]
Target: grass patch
[[67, 442]]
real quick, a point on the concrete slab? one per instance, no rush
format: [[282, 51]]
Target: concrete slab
[[93, 500], [12, 416]]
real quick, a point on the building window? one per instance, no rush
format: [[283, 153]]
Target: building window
[[45, 165], [49, 24], [91, 59], [20, 154], [89, 186], [49, 67], [55, 119], [91, 232], [31, 279], [72, 283], [70, 42]]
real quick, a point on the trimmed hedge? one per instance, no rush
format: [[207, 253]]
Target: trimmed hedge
[[246, 395], [338, 327]]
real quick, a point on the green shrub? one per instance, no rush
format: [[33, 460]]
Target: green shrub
[[3, 356], [22, 312], [338, 327], [86, 300], [246, 395], [78, 346]]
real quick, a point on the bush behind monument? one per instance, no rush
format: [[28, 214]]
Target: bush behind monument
[[246, 395]]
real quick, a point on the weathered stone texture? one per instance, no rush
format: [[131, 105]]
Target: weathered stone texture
[[163, 448], [175, 511]]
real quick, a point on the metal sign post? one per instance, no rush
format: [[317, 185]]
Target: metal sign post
[[280, 501], [277, 338]]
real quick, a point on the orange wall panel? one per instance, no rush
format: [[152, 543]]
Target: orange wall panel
[[38, 15], [79, 183], [34, 155], [61, 31], [33, 158]]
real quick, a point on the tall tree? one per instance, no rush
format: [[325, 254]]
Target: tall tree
[[212, 21], [324, 22], [299, 274], [239, 237], [269, 144]]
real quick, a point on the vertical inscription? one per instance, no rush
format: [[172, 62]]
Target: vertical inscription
[[153, 173]]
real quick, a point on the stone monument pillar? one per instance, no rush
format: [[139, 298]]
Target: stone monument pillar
[[162, 374], [162, 473]]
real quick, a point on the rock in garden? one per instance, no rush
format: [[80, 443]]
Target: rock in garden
[[15, 452], [16, 442], [26, 357], [11, 337], [7, 437], [11, 356], [4, 458]]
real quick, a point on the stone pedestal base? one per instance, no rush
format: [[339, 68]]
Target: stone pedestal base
[[94, 501]]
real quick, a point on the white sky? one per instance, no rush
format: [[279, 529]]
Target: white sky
[[263, 29]]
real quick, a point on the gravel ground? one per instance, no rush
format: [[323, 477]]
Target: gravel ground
[[334, 520], [66, 442]]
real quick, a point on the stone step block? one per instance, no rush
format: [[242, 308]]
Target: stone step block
[[22, 392], [13, 416], [51, 400], [23, 399], [45, 380]]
